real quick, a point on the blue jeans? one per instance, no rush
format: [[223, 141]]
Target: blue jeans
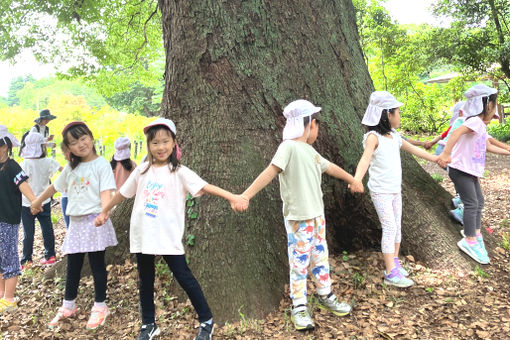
[[28, 220], [63, 205]]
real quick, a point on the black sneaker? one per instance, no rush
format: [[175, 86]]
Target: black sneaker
[[205, 331], [148, 331]]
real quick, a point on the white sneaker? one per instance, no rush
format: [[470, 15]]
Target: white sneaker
[[332, 304]]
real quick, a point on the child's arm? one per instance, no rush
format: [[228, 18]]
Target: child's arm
[[415, 142], [492, 148], [26, 190], [418, 152], [433, 142], [444, 158], [110, 203], [237, 202], [336, 171], [497, 143], [37, 203], [261, 181], [364, 162]]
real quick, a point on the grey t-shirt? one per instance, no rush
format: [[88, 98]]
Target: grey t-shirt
[[300, 180]]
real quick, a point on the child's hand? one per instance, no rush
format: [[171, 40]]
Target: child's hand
[[443, 160], [356, 186], [36, 207], [239, 203], [427, 145], [101, 219]]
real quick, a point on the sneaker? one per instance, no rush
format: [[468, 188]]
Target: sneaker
[[7, 306], [205, 331], [458, 214], [456, 201], [97, 317], [148, 331], [63, 313], [400, 268], [395, 278], [475, 251], [301, 318], [26, 265], [332, 304], [49, 261]]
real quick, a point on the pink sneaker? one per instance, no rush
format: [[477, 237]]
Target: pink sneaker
[[49, 261], [63, 313], [97, 317]]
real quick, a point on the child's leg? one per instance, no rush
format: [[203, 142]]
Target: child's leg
[[479, 208], [397, 212], [319, 261], [145, 266], [98, 266], [44, 218], [299, 240], [384, 206], [465, 185], [28, 234], [9, 260], [74, 264], [183, 275]]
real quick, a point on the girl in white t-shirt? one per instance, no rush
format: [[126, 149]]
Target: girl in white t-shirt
[[381, 157], [465, 155], [39, 170], [88, 181], [157, 221]]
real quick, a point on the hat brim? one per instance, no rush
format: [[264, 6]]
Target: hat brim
[[171, 128], [50, 117]]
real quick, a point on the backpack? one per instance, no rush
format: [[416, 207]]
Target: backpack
[[25, 136]]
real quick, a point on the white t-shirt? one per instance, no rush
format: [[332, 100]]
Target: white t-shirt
[[43, 130], [157, 219], [39, 172], [385, 170], [84, 185]]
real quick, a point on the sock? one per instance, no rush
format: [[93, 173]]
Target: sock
[[100, 304], [69, 304], [471, 242], [478, 235]]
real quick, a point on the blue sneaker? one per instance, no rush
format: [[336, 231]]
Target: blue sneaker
[[456, 201], [475, 251], [458, 214], [400, 268], [479, 239], [394, 278]]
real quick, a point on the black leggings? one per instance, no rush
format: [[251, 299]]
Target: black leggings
[[183, 275], [98, 267]]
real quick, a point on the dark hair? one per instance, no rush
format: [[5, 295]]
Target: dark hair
[[126, 164], [76, 132], [384, 126], [149, 135], [308, 120], [6, 141], [485, 101]]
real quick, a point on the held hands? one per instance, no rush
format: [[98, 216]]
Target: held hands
[[239, 203], [101, 219], [356, 186], [443, 159], [427, 145], [35, 207]]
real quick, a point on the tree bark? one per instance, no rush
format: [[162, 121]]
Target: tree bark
[[230, 69]]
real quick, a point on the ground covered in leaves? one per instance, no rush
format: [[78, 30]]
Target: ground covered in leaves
[[442, 304]]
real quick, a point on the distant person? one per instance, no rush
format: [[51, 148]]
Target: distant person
[[42, 126], [39, 170], [13, 183], [121, 162], [382, 144], [63, 195]]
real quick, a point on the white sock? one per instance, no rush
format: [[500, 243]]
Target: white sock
[[69, 304], [100, 304]]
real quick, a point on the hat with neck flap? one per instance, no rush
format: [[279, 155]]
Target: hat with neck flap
[[295, 113]]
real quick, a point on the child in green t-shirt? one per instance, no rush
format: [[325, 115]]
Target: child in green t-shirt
[[300, 169]]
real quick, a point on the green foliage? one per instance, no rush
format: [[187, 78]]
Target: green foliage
[[190, 240], [505, 241], [437, 177], [138, 99], [480, 272], [500, 131]]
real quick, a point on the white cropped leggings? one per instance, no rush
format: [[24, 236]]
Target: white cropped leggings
[[389, 210]]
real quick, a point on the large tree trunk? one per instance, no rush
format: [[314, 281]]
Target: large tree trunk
[[231, 67]]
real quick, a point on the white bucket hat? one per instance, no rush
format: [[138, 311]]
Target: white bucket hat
[[4, 134], [33, 142], [456, 111], [474, 105], [379, 101], [295, 113], [122, 149]]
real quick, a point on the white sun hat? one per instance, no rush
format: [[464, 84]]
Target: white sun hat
[[122, 149], [295, 113], [474, 105], [455, 112], [379, 101], [161, 121], [33, 143], [5, 134]]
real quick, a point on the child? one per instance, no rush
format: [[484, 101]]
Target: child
[[157, 221], [63, 194], [88, 180], [122, 154], [39, 169], [13, 182], [465, 153], [300, 169], [381, 157], [456, 120]]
